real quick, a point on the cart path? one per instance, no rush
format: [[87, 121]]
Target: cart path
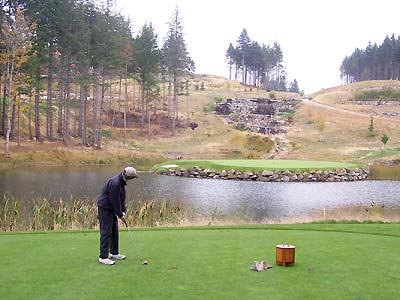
[[317, 104]]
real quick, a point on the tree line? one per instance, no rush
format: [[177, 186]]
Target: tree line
[[258, 65], [375, 62], [60, 58]]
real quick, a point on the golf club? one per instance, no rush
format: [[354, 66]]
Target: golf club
[[142, 261]]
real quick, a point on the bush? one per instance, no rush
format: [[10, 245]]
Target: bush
[[384, 94], [218, 99], [259, 143], [208, 108], [240, 126], [106, 133]]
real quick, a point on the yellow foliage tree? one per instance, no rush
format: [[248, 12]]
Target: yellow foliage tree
[[16, 40]]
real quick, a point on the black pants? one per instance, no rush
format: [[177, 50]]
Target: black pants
[[108, 232]]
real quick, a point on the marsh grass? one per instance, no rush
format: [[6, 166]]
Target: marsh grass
[[78, 214], [151, 214], [385, 172], [81, 214]]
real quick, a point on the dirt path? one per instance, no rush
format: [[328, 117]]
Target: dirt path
[[313, 103]]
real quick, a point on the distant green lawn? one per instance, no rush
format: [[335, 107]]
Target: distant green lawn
[[333, 261], [257, 165]]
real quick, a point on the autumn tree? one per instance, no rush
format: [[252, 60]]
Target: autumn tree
[[16, 40]]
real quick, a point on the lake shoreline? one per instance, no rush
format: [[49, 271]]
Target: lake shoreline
[[340, 175]]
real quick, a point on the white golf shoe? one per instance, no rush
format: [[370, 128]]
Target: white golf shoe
[[116, 256], [106, 261]]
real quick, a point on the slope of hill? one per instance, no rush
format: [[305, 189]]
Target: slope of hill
[[320, 132]]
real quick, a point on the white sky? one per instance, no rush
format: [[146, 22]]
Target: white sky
[[315, 36]]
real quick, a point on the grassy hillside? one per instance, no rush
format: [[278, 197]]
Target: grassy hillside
[[345, 134], [318, 133]]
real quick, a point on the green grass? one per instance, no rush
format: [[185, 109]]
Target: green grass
[[383, 94], [333, 261], [371, 155], [257, 165]]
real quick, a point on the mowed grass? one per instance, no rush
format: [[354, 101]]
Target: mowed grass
[[333, 261], [257, 165]]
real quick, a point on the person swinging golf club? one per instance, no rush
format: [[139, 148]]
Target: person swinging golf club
[[111, 206]]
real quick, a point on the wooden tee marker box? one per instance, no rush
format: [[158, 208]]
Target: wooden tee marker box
[[285, 255]]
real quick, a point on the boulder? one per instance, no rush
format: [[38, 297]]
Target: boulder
[[264, 179], [266, 173], [275, 177], [231, 176]]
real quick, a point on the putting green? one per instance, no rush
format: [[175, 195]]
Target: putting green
[[254, 164], [341, 261]]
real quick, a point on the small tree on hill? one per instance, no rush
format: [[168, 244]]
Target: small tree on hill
[[320, 125], [371, 127], [384, 140]]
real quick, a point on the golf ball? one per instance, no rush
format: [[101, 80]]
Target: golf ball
[[145, 262]]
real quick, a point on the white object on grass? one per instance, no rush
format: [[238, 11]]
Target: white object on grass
[[169, 166]]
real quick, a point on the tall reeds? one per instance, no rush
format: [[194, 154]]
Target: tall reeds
[[9, 214], [46, 215]]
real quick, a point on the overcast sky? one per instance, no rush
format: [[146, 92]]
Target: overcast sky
[[315, 36]]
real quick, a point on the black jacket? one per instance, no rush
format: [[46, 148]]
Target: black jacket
[[112, 196]]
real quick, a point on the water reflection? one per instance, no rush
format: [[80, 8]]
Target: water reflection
[[249, 201]]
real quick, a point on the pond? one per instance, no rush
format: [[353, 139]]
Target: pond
[[222, 199]]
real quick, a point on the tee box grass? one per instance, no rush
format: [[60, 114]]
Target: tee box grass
[[333, 261]]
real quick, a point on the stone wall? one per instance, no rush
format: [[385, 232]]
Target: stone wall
[[376, 102], [340, 175]]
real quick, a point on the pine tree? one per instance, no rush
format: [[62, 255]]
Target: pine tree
[[230, 58], [243, 44], [147, 58], [177, 59]]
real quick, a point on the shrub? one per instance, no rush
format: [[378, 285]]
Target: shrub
[[106, 133], [240, 126], [383, 94], [259, 143], [218, 99]]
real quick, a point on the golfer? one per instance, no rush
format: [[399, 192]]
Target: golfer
[[111, 206]]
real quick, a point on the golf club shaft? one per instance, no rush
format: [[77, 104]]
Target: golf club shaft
[[133, 241]]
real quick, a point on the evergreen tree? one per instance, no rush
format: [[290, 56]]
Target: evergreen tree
[[177, 59], [243, 44], [294, 87], [147, 58], [374, 62], [260, 65], [230, 58]]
